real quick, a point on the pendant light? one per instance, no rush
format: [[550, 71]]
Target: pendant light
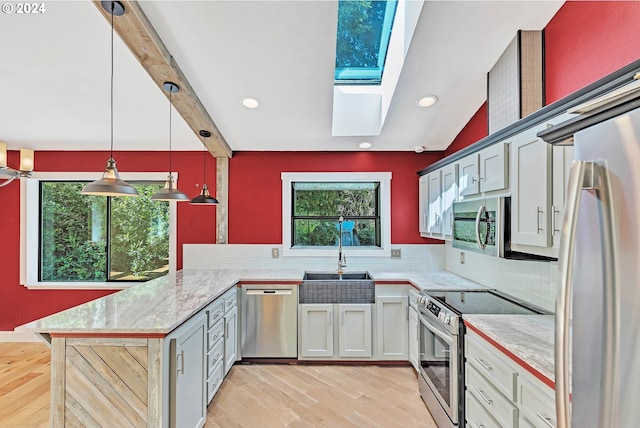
[[170, 191], [110, 184], [204, 198]]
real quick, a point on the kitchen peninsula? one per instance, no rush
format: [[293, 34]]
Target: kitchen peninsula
[[127, 346]]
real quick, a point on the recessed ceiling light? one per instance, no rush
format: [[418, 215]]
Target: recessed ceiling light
[[419, 149], [250, 103], [427, 101], [364, 145]]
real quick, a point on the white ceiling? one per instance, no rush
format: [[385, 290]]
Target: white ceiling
[[55, 73]]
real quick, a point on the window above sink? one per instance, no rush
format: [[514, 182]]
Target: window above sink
[[313, 202]]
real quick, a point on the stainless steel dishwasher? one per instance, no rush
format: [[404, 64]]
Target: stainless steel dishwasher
[[269, 321]]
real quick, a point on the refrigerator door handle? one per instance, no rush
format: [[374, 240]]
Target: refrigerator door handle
[[563, 309], [587, 176]]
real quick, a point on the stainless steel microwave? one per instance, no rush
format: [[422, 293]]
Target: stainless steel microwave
[[479, 226]]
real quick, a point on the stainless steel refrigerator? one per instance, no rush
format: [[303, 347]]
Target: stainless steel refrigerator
[[598, 307]]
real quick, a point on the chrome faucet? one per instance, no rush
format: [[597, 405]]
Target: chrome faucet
[[342, 259]]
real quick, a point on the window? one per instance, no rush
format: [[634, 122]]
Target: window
[[74, 241], [98, 238], [318, 206], [313, 203], [364, 30]]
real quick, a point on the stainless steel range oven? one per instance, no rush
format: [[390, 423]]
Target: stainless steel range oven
[[441, 377]]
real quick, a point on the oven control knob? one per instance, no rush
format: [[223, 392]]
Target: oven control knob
[[447, 319]]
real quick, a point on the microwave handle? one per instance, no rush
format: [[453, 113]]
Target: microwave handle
[[481, 211]]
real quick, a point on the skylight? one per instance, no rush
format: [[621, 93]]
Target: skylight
[[364, 30]]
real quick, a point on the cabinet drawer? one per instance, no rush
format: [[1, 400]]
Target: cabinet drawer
[[491, 366], [524, 423], [214, 381], [215, 311], [538, 407], [230, 299], [214, 355], [476, 415], [496, 404], [215, 333]]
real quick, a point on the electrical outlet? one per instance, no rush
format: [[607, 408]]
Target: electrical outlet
[[461, 257], [275, 253], [396, 253]]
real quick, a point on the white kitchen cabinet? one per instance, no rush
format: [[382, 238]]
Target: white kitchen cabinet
[[536, 402], [539, 174], [316, 330], [230, 338], [494, 167], [423, 199], [230, 328], [502, 393], [434, 206], [354, 330], [392, 327], [468, 176], [531, 190], [449, 181], [414, 338], [187, 386]]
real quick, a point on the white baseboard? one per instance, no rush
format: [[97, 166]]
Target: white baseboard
[[12, 336]]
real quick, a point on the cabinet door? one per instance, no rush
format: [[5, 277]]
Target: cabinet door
[[562, 157], [449, 196], [392, 328], [188, 374], [494, 167], [531, 191], [435, 203], [468, 176], [414, 339], [423, 199], [316, 330], [354, 330], [230, 339]]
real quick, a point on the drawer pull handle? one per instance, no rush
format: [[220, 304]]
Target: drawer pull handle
[[481, 394], [483, 364], [546, 420]]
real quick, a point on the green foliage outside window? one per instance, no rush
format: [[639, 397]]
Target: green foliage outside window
[[74, 230], [317, 207]]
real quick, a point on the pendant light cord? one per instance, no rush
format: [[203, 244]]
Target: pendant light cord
[[204, 158], [170, 169], [113, 6]]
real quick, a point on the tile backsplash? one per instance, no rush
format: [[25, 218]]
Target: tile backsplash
[[415, 257], [532, 281]]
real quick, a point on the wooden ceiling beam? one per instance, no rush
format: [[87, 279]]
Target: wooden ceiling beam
[[136, 31]]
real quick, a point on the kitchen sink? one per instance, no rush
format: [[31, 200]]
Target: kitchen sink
[[334, 276], [331, 287]]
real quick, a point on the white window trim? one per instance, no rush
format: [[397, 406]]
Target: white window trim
[[29, 229], [384, 178]]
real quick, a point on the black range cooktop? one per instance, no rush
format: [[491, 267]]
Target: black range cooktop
[[484, 302]]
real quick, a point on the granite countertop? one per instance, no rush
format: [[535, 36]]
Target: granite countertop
[[530, 338], [154, 307], [161, 305]]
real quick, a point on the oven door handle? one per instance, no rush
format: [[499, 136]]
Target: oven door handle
[[441, 335]]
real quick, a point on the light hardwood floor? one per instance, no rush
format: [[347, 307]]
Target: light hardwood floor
[[253, 395]]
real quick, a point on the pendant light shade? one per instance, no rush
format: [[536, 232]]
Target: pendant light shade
[[204, 198], [170, 191], [110, 184]]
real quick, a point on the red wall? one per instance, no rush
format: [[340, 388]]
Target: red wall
[[584, 41], [196, 224], [587, 40], [476, 129], [255, 189]]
